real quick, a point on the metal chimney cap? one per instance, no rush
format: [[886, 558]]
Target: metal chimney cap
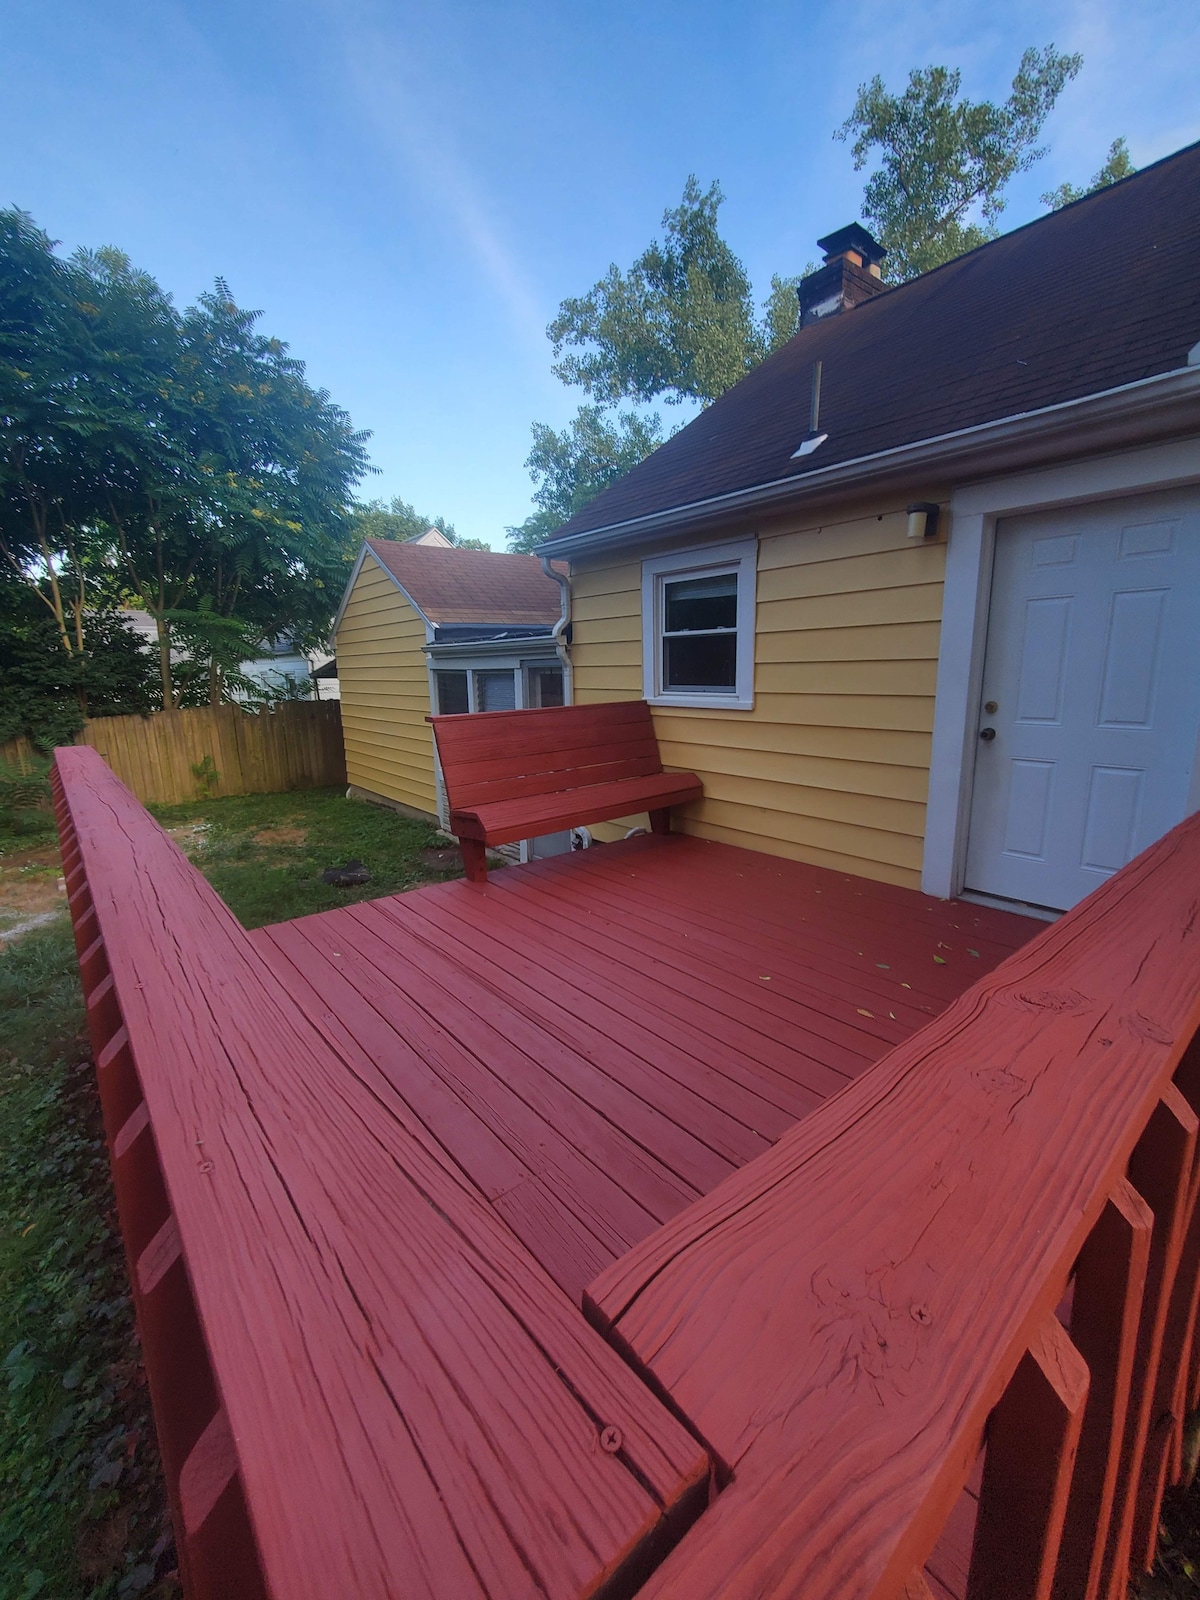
[[852, 237]]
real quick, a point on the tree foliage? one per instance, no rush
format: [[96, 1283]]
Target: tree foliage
[[48, 691], [679, 323], [944, 159], [1117, 166], [570, 468], [396, 519], [180, 462]]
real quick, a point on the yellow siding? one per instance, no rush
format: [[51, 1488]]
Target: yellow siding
[[385, 693], [832, 764]]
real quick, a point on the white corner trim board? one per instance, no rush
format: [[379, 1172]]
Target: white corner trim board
[[974, 511]]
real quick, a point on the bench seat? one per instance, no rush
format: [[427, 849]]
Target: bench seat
[[506, 820], [513, 775]]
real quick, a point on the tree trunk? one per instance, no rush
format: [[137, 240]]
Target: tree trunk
[[164, 663], [214, 683]]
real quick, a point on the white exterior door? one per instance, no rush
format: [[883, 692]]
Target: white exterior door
[[1091, 695]]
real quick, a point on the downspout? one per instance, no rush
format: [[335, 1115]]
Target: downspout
[[560, 628]]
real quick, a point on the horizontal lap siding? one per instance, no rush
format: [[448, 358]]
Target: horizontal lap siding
[[385, 693], [832, 765]]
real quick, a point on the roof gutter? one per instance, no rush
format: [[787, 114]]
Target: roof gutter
[[1108, 417], [455, 649], [560, 627]]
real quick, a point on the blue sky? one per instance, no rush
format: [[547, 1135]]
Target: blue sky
[[407, 191]]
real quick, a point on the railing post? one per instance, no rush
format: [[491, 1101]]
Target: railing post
[[1110, 1278], [1160, 1169], [1032, 1437]]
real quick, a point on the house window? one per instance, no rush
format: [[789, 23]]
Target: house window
[[698, 627], [545, 686], [496, 691], [451, 693]]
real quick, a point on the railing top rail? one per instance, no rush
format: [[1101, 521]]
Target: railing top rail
[[838, 1318], [414, 1405]]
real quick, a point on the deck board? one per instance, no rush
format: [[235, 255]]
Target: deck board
[[597, 1040]]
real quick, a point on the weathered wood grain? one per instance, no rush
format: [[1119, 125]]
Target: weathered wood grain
[[838, 1319], [416, 1409]]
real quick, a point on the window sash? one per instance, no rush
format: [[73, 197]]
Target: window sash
[[730, 568]]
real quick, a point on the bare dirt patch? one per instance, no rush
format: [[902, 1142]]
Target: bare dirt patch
[[189, 836], [281, 833], [31, 882], [440, 858]]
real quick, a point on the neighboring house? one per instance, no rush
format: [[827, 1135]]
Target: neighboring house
[[426, 626], [282, 668], [919, 598]]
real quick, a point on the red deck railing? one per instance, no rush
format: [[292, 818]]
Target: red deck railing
[[940, 1339], [363, 1385], [989, 1242]]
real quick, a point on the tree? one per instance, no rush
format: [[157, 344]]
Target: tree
[[1117, 166], [396, 519], [570, 468], [178, 461], [48, 691], [944, 159], [679, 324], [61, 434]]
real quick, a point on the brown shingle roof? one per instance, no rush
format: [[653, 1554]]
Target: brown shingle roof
[[471, 585], [1102, 293]]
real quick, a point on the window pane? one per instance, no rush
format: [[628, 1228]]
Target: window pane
[[451, 693], [545, 686], [695, 603], [706, 663], [495, 691]]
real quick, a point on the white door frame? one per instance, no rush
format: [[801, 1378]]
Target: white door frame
[[975, 510]]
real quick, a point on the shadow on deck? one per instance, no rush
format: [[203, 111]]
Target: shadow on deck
[[599, 1039]]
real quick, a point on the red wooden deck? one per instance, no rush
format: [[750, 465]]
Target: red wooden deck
[[598, 1039], [550, 1236]]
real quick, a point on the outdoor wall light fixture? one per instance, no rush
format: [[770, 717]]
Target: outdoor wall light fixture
[[923, 519]]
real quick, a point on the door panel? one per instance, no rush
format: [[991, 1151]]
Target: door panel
[[1093, 669]]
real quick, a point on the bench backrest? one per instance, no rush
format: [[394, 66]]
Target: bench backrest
[[511, 755]]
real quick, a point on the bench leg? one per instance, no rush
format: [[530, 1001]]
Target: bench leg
[[474, 858], [660, 820]]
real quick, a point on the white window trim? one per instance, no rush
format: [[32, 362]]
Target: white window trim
[[740, 557], [975, 510]]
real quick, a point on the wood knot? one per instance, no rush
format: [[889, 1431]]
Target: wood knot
[[611, 1439], [1058, 1000], [1144, 1027]]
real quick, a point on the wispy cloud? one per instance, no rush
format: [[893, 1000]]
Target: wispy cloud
[[386, 83]]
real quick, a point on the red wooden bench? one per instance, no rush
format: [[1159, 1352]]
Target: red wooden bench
[[517, 774]]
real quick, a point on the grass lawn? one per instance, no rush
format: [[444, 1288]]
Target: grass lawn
[[82, 1511]]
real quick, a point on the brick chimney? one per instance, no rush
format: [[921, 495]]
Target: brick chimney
[[849, 276]]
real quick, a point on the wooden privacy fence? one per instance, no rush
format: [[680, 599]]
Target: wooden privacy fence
[[175, 756]]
